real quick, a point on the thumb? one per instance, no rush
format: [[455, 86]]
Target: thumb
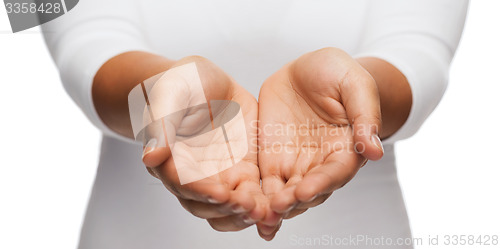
[[163, 103], [360, 97], [153, 156], [156, 151]]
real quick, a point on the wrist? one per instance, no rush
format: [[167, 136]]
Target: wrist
[[115, 79]]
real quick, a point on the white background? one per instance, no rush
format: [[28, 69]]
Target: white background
[[449, 171]]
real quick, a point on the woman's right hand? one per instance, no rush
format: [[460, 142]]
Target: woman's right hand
[[232, 199]]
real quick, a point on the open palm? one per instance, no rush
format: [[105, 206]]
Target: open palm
[[309, 126], [228, 196]]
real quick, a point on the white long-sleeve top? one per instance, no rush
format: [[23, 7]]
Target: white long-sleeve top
[[250, 40]]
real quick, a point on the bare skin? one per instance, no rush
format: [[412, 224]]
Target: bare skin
[[231, 200], [327, 90], [333, 103]]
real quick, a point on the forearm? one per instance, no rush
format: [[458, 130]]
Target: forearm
[[395, 94], [115, 79]]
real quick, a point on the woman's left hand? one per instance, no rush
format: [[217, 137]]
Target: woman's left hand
[[319, 118]]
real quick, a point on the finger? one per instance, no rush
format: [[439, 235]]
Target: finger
[[293, 207], [326, 178], [268, 232], [295, 212], [206, 210], [248, 196], [315, 202], [157, 151], [360, 97], [300, 207], [285, 200], [261, 202], [240, 202], [243, 180], [242, 199], [154, 156], [229, 223], [270, 218], [207, 190], [272, 184]]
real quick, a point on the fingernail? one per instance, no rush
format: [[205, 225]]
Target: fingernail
[[377, 142], [150, 146], [314, 197], [213, 201], [238, 209], [291, 207], [248, 220]]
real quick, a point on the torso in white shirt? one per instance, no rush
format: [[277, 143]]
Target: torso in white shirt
[[249, 40]]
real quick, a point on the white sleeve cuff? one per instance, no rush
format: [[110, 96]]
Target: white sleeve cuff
[[78, 71], [427, 75]]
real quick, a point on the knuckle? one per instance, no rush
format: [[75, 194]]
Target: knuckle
[[363, 120]]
